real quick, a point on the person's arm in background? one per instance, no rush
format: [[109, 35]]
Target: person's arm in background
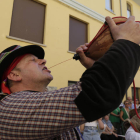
[[100, 124], [114, 114], [121, 114], [107, 131], [113, 132], [112, 128], [82, 126]]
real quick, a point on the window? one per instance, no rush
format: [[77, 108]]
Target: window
[[108, 5], [28, 20], [77, 34], [71, 82], [137, 93], [128, 10]]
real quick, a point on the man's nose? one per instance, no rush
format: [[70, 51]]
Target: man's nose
[[42, 61]]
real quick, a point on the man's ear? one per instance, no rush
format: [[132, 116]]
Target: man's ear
[[14, 76]]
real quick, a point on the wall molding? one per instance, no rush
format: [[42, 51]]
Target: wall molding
[[82, 8]]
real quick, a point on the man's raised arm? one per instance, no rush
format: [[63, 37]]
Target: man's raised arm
[[105, 83]]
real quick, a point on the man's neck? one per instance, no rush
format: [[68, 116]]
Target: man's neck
[[19, 88]]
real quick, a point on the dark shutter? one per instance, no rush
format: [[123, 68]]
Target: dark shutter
[[137, 93], [109, 5], [28, 20], [77, 34]]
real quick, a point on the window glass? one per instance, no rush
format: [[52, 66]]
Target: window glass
[[128, 10], [108, 4]]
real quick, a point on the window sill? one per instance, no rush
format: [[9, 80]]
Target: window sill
[[72, 52], [110, 11], [23, 40]]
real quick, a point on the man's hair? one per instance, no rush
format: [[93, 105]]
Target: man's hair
[[129, 97], [126, 101], [10, 82], [106, 115]]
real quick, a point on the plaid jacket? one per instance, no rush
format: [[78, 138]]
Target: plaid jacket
[[51, 115]]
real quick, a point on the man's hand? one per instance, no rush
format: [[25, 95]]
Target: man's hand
[[85, 61], [130, 30]]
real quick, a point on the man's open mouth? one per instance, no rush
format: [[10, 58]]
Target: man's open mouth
[[45, 68]]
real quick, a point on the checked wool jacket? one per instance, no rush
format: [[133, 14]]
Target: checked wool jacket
[[41, 115]]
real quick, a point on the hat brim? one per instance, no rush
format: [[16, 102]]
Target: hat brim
[[30, 49]]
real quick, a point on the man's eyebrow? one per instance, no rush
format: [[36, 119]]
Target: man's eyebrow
[[32, 56]]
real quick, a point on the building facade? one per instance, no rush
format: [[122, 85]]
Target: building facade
[[60, 26]]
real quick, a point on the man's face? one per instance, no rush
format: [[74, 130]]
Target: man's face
[[127, 104], [130, 99], [137, 101], [106, 117], [33, 70]]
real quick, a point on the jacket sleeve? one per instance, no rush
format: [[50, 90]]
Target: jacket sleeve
[[106, 82]]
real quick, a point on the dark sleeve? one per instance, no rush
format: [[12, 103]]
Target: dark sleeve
[[106, 82]]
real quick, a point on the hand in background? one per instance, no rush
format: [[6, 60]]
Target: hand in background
[[108, 130], [115, 134]]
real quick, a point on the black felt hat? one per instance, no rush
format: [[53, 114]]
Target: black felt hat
[[8, 55]]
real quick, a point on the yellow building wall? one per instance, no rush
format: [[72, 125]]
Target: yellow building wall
[[57, 41], [56, 34]]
